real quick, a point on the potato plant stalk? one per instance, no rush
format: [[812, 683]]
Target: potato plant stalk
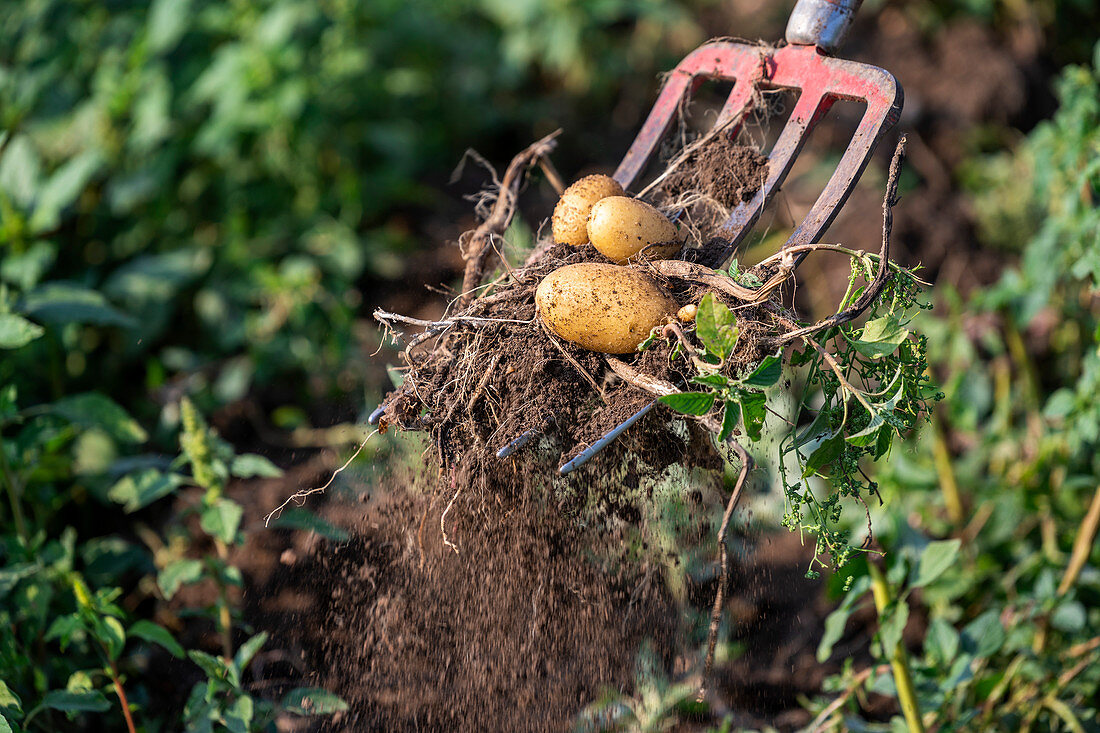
[[949, 485], [899, 661]]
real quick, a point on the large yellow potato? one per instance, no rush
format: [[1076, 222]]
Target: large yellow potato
[[570, 222], [621, 227], [604, 308]]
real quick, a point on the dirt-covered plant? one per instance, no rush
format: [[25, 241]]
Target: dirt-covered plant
[[1006, 477]]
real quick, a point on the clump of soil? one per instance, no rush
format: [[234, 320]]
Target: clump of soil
[[518, 631], [720, 169], [497, 373]]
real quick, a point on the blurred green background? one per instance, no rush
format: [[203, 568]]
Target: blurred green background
[[202, 202]]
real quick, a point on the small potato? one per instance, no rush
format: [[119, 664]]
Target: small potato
[[621, 227], [604, 308], [687, 313], [570, 222]]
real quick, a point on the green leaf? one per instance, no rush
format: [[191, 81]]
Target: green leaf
[[215, 668], [108, 630], [91, 701], [313, 701], [12, 574], [20, 170], [178, 573], [941, 643], [63, 628], [60, 303], [869, 434], [25, 269], [301, 518], [16, 331], [248, 650], [882, 445], [936, 558], [200, 710], [1069, 617], [250, 465], [766, 373], [718, 381], [814, 430], [881, 337], [149, 631], [155, 277], [891, 628], [140, 489], [168, 20], [690, 403], [827, 452], [984, 635], [95, 410], [221, 520], [62, 189], [716, 327], [9, 700], [835, 623], [753, 413], [5, 726], [730, 415], [238, 715]]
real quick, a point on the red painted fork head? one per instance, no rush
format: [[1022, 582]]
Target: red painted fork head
[[822, 80]]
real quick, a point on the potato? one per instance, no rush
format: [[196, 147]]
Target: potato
[[570, 222], [687, 313], [604, 308], [620, 227]]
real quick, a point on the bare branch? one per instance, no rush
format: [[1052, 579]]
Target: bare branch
[[478, 244], [723, 577]]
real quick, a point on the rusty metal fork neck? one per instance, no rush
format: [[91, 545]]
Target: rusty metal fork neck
[[821, 23]]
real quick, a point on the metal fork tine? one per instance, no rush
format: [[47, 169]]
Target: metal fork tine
[[523, 439], [374, 416], [807, 111], [843, 180], [606, 440]]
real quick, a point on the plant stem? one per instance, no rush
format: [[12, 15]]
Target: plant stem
[[1082, 545], [13, 491], [899, 661], [225, 619], [113, 670], [1086, 536], [723, 576], [949, 484]]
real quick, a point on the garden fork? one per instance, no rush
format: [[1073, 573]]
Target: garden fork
[[814, 32]]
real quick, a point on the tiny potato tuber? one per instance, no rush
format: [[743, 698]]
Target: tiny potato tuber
[[570, 222], [621, 228], [605, 308]]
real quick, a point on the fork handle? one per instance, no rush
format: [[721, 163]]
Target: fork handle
[[821, 23]]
